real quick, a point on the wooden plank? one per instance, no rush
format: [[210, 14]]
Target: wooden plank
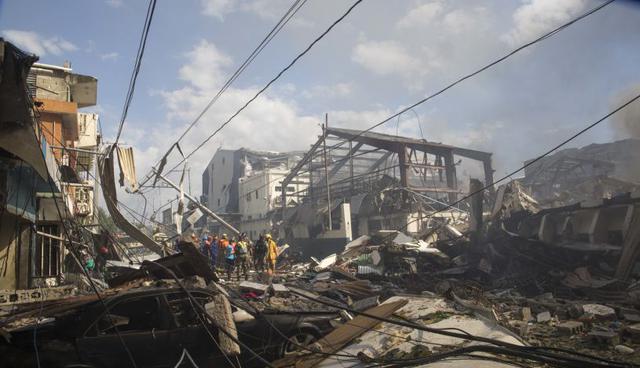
[[346, 333], [220, 310]]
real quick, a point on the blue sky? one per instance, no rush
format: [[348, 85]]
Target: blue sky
[[387, 54]]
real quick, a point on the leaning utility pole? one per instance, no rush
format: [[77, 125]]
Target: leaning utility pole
[[200, 205], [325, 132]]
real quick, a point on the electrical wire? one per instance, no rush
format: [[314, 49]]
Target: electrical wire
[[72, 250], [291, 12], [273, 80], [490, 65], [530, 162], [207, 316], [136, 67], [538, 353]]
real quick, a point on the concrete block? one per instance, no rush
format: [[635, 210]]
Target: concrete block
[[279, 290], [599, 311], [570, 328], [622, 349], [253, 286], [543, 317]]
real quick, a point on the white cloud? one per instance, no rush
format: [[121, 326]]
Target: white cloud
[[264, 9], [206, 67], [385, 58], [421, 15], [271, 122], [115, 3], [34, 43], [110, 56], [217, 8], [536, 17], [325, 91]]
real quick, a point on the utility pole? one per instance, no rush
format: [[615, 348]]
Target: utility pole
[[200, 205], [326, 171]]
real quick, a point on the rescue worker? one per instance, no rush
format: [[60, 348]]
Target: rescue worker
[[259, 252], [214, 251], [222, 249], [272, 254], [230, 257], [204, 247], [242, 256]]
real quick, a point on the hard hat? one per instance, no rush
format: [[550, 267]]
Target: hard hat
[[268, 236]]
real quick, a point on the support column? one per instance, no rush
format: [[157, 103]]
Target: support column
[[475, 225], [450, 172]]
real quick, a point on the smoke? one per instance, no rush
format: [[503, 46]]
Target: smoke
[[626, 123]]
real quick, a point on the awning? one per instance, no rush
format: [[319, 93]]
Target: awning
[[17, 128]]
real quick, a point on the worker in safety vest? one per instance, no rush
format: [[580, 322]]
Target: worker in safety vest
[[272, 254], [242, 256], [222, 249]]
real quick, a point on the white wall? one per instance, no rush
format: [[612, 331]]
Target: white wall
[[259, 194], [220, 177]]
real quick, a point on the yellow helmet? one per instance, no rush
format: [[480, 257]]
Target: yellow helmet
[[268, 236]]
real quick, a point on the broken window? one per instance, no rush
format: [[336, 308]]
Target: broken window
[[47, 252], [182, 309], [140, 314]]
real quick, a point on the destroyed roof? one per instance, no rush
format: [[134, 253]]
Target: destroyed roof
[[380, 139]]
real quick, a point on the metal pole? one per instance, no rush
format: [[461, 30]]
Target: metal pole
[[200, 205], [326, 171]]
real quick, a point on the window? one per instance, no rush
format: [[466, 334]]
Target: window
[[224, 186], [248, 197], [47, 257], [256, 194], [291, 189], [183, 311], [278, 189], [223, 161], [140, 314], [218, 202]]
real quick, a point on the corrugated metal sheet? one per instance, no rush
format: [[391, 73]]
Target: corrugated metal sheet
[[127, 168]]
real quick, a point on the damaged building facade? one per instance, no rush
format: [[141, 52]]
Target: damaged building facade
[[47, 151], [245, 187]]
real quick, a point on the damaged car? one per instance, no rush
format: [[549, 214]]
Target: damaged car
[[155, 328]]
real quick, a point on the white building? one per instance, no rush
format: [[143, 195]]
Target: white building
[[260, 195], [221, 179]]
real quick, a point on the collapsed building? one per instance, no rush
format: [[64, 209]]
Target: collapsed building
[[360, 183], [579, 174]]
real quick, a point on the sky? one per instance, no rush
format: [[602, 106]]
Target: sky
[[384, 56]]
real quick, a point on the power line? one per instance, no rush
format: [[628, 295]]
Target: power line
[[488, 66], [291, 12], [136, 66], [529, 163], [289, 66], [75, 255], [456, 82]]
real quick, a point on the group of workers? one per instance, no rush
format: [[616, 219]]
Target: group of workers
[[239, 254]]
